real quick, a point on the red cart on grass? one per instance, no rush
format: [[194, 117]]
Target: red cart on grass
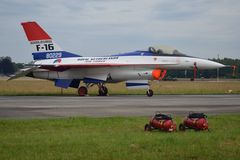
[[196, 121], [161, 122]]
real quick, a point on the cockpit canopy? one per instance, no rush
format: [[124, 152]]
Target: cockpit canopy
[[159, 50], [164, 50]]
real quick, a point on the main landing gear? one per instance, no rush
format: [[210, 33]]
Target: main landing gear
[[102, 90], [82, 91]]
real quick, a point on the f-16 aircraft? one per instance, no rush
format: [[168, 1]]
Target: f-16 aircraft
[[136, 68]]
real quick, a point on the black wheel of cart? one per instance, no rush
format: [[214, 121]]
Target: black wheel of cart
[[147, 127]]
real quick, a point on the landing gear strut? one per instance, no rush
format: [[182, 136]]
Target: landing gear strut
[[102, 90], [149, 93], [82, 91]]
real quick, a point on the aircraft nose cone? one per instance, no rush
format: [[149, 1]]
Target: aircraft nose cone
[[217, 65], [207, 64]]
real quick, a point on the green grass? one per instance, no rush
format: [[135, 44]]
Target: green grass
[[44, 87], [116, 138]]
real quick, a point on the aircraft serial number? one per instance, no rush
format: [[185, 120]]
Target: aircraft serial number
[[53, 55]]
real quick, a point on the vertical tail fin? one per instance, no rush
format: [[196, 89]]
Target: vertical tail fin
[[34, 32], [43, 45]]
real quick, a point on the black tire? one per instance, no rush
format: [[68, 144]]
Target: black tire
[[149, 93], [147, 127], [103, 91], [181, 127], [82, 91]]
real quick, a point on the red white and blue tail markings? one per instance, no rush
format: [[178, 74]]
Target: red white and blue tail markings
[[43, 45]]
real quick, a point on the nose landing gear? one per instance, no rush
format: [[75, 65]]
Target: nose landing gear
[[149, 93]]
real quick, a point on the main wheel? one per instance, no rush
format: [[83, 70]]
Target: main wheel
[[82, 91], [182, 127], [149, 93], [103, 91]]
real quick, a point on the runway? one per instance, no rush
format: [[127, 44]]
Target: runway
[[127, 105]]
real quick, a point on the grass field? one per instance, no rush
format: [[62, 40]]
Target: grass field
[[43, 87], [116, 138]]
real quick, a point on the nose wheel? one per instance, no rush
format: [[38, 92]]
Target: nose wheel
[[149, 93], [82, 91]]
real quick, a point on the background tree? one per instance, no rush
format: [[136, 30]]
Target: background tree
[[6, 66]]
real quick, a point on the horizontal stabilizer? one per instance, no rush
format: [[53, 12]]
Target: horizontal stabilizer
[[137, 84], [23, 73]]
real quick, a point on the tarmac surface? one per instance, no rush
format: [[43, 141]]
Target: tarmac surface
[[139, 105]]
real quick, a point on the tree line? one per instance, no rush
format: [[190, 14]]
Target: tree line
[[7, 67]]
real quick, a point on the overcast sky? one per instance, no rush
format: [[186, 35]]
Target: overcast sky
[[202, 28]]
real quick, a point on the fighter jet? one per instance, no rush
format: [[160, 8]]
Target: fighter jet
[[135, 68]]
